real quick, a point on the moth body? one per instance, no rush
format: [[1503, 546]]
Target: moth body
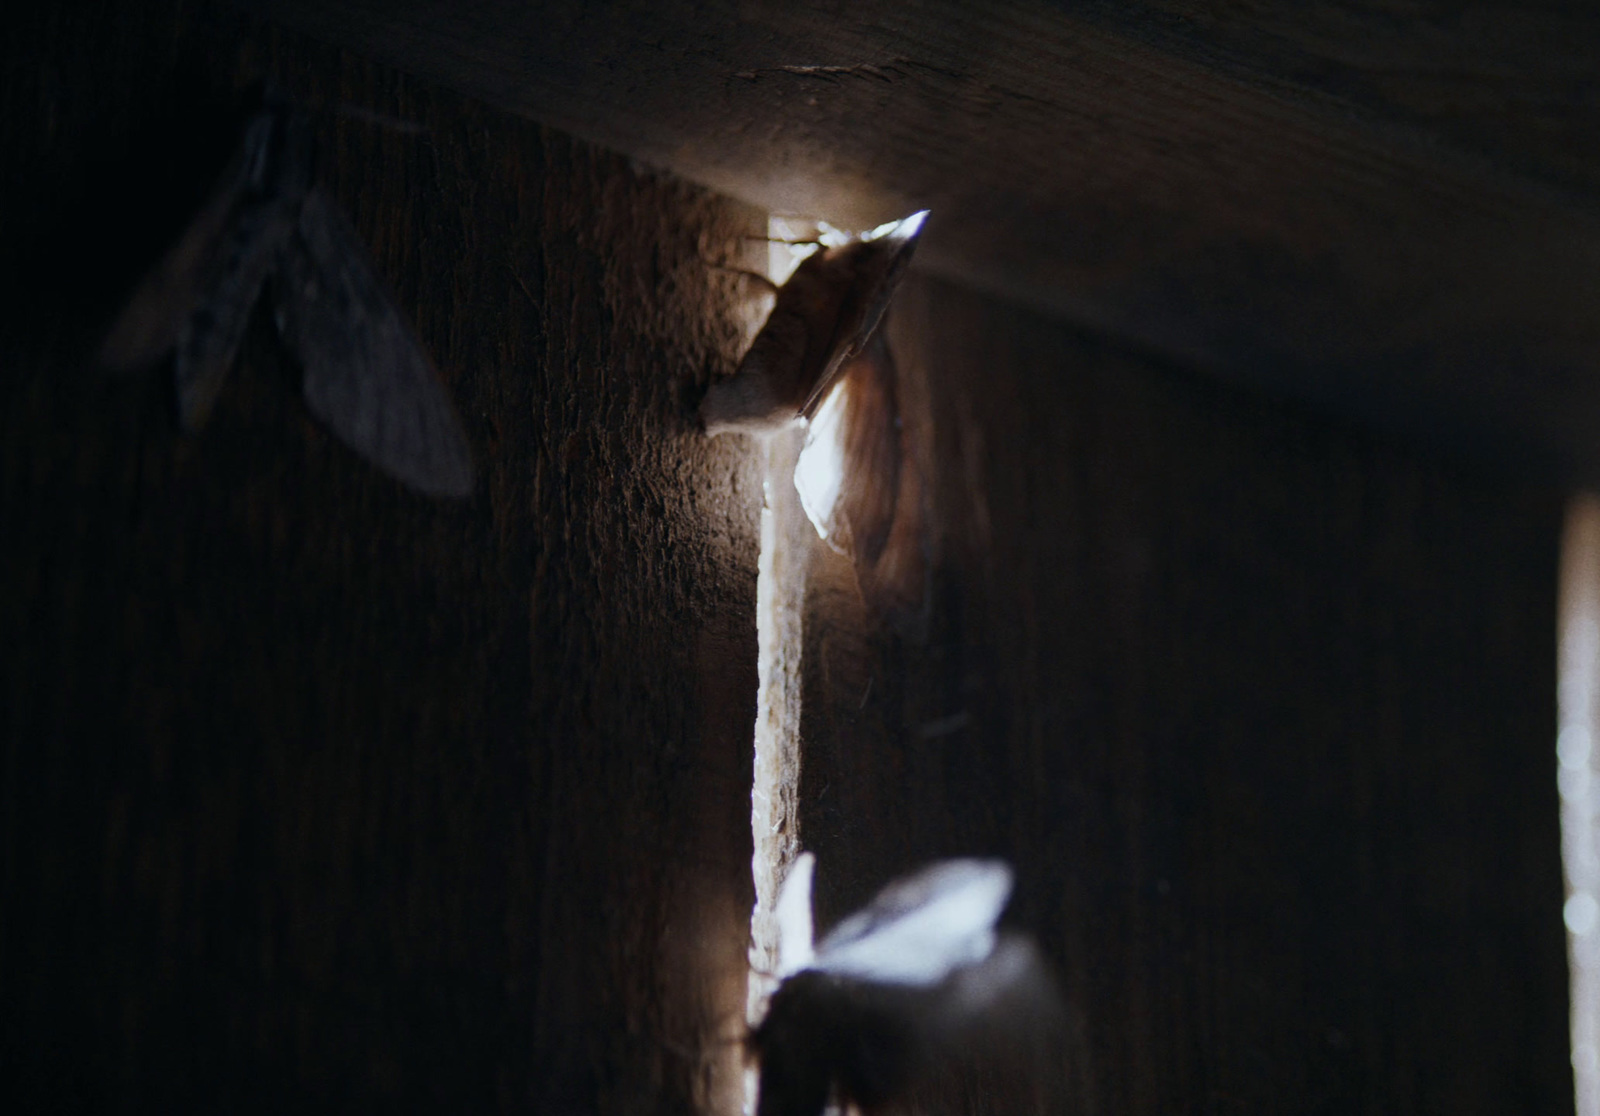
[[823, 316], [827, 1037], [908, 1002]]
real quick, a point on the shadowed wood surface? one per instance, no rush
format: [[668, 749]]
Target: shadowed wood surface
[[317, 792], [1386, 208], [1263, 711]]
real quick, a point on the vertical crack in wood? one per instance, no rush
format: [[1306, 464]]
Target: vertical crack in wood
[[775, 790]]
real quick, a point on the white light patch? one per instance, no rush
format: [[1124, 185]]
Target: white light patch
[[1572, 747], [830, 236], [1580, 913], [1577, 691], [924, 927], [794, 917], [903, 229], [819, 474], [789, 241]]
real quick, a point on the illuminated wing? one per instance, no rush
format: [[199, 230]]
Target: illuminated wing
[[366, 375], [862, 490], [848, 471], [883, 256], [794, 917], [922, 928]]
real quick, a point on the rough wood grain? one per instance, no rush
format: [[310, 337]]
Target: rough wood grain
[[1261, 708], [317, 793], [1387, 209], [1512, 83]]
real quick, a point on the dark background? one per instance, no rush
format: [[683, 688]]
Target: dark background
[[317, 791]]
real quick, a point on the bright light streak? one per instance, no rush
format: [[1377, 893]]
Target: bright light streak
[[1579, 656], [819, 475], [903, 229], [795, 950], [780, 595], [817, 471]]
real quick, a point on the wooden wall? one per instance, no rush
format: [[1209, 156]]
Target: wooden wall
[[1262, 709], [317, 792], [1384, 208]]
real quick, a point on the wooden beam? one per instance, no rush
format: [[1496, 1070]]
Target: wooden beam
[[1287, 199]]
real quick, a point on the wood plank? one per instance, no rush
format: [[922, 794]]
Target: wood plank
[[1512, 82], [319, 794], [1262, 711], [1193, 188]]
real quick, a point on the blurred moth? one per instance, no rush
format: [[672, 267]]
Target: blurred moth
[[915, 1001], [823, 358], [268, 225]]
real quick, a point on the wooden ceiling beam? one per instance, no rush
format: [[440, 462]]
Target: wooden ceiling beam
[[1393, 219]]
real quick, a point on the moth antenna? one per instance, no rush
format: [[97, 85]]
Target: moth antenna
[[812, 241]]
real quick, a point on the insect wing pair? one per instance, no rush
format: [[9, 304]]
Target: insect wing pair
[[823, 356], [268, 225], [901, 997]]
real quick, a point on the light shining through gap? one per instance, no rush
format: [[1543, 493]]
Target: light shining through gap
[[819, 475], [1577, 691]]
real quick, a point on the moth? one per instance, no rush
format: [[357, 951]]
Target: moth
[[823, 357], [824, 315], [267, 225], [915, 1001]]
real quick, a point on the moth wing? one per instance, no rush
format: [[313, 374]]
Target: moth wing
[[757, 398], [209, 336], [896, 581], [988, 1038], [873, 450], [848, 472], [882, 495], [881, 263], [366, 375], [148, 327], [923, 927], [794, 916]]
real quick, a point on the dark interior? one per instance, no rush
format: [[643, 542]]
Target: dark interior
[[1251, 355]]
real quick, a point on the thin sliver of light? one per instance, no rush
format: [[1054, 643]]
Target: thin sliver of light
[[1578, 704], [780, 594]]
